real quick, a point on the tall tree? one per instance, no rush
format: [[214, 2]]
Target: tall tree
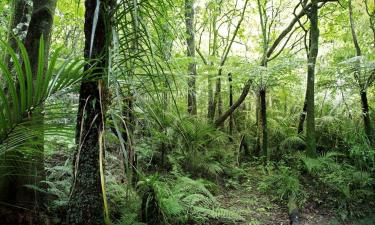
[[190, 41], [271, 50], [310, 90], [32, 170], [88, 201], [262, 141], [357, 75], [21, 13]]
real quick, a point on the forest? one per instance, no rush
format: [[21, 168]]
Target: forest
[[187, 112]]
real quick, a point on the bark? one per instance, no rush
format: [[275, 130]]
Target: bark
[[192, 68], [87, 203], [262, 125], [214, 52], [231, 120], [210, 106], [366, 116], [18, 26], [235, 105], [217, 98], [302, 117], [20, 10], [128, 138], [32, 171], [310, 90]]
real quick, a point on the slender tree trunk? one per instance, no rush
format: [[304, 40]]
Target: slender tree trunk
[[190, 40], [262, 126], [231, 119], [21, 14], [363, 91], [87, 201], [32, 170], [366, 116], [217, 98], [210, 106], [276, 43], [40, 25], [310, 90], [302, 117], [21, 11], [211, 96]]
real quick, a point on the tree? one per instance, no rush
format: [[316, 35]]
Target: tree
[[271, 50], [357, 75], [88, 200], [190, 41], [310, 93], [32, 172], [20, 19]]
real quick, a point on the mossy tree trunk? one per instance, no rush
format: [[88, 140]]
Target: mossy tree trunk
[[310, 90], [87, 202], [31, 170], [192, 67], [21, 10]]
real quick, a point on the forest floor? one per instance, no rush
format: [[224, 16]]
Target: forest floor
[[259, 209]]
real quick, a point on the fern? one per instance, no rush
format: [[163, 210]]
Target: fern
[[185, 200], [292, 142]]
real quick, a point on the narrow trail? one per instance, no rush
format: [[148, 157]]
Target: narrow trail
[[259, 209]]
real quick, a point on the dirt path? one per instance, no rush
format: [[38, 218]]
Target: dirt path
[[259, 209]]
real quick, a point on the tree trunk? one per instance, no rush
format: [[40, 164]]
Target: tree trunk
[[190, 40], [214, 53], [18, 25], [88, 201], [218, 101], [363, 91], [262, 125], [302, 117], [246, 87], [217, 98], [366, 116], [210, 106], [231, 120], [20, 11], [32, 170], [310, 92]]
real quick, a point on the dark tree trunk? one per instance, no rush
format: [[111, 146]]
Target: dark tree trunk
[[128, 137], [302, 117], [32, 170], [235, 105], [231, 119], [363, 93], [366, 116], [190, 40], [246, 88], [87, 203], [21, 11], [310, 90], [262, 124], [40, 25]]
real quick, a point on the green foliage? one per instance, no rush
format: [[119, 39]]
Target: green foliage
[[34, 90], [183, 201], [350, 186], [283, 183]]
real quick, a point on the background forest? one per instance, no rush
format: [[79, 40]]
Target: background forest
[[160, 112]]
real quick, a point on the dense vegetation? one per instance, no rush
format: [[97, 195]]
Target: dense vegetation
[[187, 112]]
